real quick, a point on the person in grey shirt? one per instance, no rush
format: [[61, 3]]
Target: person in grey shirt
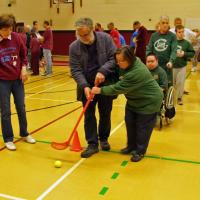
[[92, 63]]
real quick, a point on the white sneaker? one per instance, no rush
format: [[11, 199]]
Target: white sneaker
[[194, 69], [11, 146], [30, 139]]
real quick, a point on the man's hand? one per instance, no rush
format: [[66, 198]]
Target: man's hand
[[87, 91], [169, 65], [24, 74], [100, 78], [96, 90]]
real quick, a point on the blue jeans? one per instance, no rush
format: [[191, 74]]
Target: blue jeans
[[16, 88], [48, 59], [139, 128]]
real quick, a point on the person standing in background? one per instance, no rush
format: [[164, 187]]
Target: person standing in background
[[164, 45], [141, 41], [47, 46], [114, 33], [184, 52]]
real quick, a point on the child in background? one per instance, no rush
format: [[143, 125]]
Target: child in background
[[184, 51], [35, 54]]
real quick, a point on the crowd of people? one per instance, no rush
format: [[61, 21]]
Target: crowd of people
[[101, 64]]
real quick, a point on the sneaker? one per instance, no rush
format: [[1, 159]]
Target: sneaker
[[105, 146], [89, 151], [186, 92], [29, 139], [126, 150], [137, 157], [193, 69], [11, 146], [180, 101]]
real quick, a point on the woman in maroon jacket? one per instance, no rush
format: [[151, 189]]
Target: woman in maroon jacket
[[35, 54], [141, 41], [13, 73]]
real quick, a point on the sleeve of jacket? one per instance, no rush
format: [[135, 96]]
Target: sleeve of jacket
[[173, 49], [22, 52], [109, 65], [76, 68], [149, 48], [129, 83], [190, 51]]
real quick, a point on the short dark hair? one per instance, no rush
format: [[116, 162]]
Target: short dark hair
[[35, 22], [178, 27], [7, 21], [127, 52], [46, 22], [153, 54], [136, 23]]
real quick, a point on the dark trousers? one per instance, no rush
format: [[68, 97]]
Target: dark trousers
[[35, 58], [90, 121], [15, 87], [139, 128]]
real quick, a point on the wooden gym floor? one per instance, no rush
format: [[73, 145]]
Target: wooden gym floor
[[170, 170]]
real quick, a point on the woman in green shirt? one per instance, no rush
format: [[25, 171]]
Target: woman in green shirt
[[144, 98]]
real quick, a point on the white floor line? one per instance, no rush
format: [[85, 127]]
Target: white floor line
[[44, 84], [52, 187], [47, 89], [198, 112], [51, 100], [10, 197]]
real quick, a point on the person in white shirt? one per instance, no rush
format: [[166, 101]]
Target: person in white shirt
[[188, 34]]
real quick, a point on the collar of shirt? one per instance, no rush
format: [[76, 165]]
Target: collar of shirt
[[9, 38]]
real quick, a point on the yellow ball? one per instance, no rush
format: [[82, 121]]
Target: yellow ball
[[58, 164]]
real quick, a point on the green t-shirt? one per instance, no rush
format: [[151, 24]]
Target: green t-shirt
[[142, 92], [189, 52], [160, 76], [164, 46]]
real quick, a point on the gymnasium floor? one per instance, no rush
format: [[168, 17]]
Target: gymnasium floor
[[170, 170]]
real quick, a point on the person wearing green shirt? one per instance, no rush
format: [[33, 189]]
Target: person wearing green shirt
[[144, 98], [164, 44], [184, 52], [157, 72]]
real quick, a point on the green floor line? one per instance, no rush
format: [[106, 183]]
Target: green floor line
[[173, 159], [41, 141], [124, 163], [103, 190], [115, 175]]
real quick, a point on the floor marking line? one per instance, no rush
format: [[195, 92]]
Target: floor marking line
[[11, 197], [45, 84], [104, 190], [60, 179], [52, 187], [45, 125], [50, 99], [115, 175]]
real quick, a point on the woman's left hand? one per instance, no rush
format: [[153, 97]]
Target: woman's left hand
[[24, 74]]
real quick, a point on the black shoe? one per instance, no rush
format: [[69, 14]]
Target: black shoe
[[89, 151], [105, 146], [126, 150], [186, 92], [137, 157]]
